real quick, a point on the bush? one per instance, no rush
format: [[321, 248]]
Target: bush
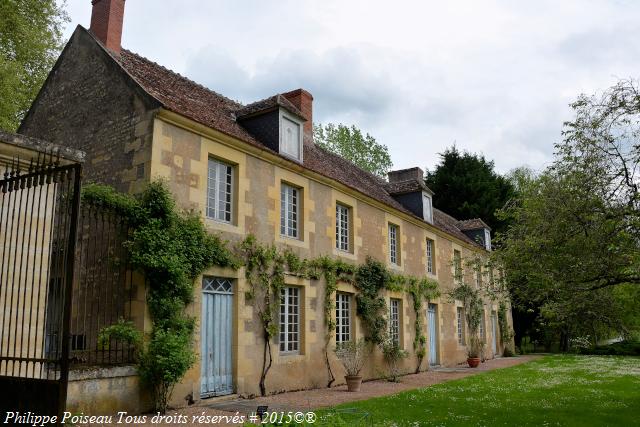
[[622, 348], [393, 355], [508, 352], [526, 346]]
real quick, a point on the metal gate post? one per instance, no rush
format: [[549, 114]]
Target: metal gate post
[[68, 296]]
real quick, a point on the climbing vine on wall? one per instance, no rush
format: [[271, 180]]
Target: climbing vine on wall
[[171, 248], [420, 290]]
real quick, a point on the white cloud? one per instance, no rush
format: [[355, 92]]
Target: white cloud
[[494, 76]]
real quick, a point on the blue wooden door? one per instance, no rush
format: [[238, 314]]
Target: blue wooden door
[[494, 333], [216, 337], [432, 320]]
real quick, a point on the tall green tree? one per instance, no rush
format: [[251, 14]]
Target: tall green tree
[[30, 40], [350, 143], [467, 186], [573, 244]]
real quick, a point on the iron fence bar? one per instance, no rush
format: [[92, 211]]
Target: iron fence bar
[[70, 267]]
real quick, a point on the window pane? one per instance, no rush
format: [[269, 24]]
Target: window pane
[[342, 227], [219, 190], [289, 211], [289, 319], [393, 243], [290, 138], [394, 321]]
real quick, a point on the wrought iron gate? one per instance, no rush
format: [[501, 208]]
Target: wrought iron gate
[[39, 205]]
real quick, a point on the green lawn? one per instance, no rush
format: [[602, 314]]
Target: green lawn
[[553, 391]]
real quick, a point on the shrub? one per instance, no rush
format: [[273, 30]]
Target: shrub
[[526, 346], [508, 352], [352, 355], [622, 348], [393, 355]]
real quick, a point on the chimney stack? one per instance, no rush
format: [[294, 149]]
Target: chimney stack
[[303, 100], [106, 22], [401, 175]]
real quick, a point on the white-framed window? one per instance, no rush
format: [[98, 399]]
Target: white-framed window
[[487, 239], [457, 264], [481, 327], [427, 208], [342, 228], [290, 137], [219, 191], [479, 275], [430, 254], [289, 320], [394, 320], [343, 317], [393, 244], [289, 210], [460, 324]]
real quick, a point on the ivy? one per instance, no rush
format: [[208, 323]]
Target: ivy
[[506, 334], [472, 303], [420, 290], [171, 248]]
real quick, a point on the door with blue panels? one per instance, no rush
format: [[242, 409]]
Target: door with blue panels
[[494, 333], [432, 323], [216, 337]]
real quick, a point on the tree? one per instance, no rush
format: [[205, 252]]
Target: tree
[[467, 186], [348, 142], [30, 40], [573, 244]]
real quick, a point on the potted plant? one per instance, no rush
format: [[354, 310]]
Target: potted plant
[[474, 349], [351, 354]]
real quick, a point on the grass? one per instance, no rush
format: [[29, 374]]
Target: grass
[[552, 391]]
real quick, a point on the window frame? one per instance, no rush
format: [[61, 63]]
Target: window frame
[[216, 199], [479, 275], [487, 239], [394, 244], [460, 326], [288, 328], [481, 329], [344, 321], [457, 263], [343, 227], [430, 254], [427, 211], [286, 211], [395, 322], [281, 117]]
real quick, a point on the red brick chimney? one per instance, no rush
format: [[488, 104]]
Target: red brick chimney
[[106, 22], [303, 100]]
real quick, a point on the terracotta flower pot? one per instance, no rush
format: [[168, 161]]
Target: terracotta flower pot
[[353, 382], [473, 362]]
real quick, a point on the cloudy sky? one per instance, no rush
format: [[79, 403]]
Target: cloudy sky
[[495, 77]]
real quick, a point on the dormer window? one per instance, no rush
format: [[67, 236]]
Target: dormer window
[[290, 136], [427, 208], [487, 239]]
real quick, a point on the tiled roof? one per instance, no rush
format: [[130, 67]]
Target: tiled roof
[[403, 187], [472, 224], [192, 100], [268, 104]]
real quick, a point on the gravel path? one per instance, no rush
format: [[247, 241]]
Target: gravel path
[[309, 400], [323, 397]]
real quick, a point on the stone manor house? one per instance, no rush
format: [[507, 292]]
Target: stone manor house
[[253, 169]]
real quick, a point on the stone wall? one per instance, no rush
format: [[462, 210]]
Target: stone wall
[[181, 157], [89, 104]]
